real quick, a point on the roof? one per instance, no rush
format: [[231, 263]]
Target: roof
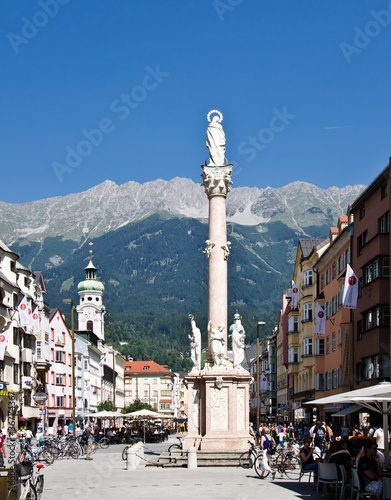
[[145, 367], [307, 245]]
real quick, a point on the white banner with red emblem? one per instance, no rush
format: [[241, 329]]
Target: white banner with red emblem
[[295, 295], [320, 321], [3, 342], [264, 386], [36, 322], [350, 291]]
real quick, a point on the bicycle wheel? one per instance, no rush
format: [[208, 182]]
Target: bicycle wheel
[[39, 485], [31, 493], [258, 467], [125, 452], [174, 447], [104, 443], [12, 494], [292, 467], [74, 451], [246, 460]]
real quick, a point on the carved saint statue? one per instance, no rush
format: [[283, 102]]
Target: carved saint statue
[[238, 340], [217, 341], [208, 248], [215, 139], [195, 344]]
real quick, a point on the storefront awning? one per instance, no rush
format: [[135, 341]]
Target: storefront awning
[[348, 411]]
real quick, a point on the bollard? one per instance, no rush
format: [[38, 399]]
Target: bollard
[[192, 457], [131, 459]]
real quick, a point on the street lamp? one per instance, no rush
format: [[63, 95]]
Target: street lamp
[[69, 301], [258, 387]]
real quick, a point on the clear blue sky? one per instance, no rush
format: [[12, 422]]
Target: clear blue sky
[[304, 87]]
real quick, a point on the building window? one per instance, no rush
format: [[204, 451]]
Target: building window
[[307, 278], [384, 224], [293, 324], [60, 379], [362, 212], [59, 401], [384, 191], [165, 406], [328, 275], [307, 347], [307, 312], [378, 316], [334, 270], [362, 240], [320, 381], [293, 355], [166, 393], [333, 341], [320, 347], [329, 381], [27, 369], [327, 344], [336, 378], [322, 281], [16, 336], [27, 397], [16, 373], [59, 356]]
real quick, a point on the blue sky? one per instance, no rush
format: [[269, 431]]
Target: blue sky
[[120, 89]]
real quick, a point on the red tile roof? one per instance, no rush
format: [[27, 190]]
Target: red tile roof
[[144, 367]]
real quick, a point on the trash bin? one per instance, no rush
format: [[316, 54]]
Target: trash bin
[[4, 482]]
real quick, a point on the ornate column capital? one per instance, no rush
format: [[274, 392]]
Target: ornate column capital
[[217, 180]]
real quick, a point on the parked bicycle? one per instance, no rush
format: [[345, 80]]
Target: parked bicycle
[[176, 446], [29, 482], [248, 458], [128, 446], [284, 461], [31, 454]]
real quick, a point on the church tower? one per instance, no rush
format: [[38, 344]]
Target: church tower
[[91, 310]]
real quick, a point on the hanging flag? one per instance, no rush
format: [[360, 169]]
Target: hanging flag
[[36, 322], [295, 295], [320, 322], [264, 386], [23, 309], [350, 291], [3, 342]]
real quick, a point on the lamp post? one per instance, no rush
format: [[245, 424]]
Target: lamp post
[[258, 386], [69, 301]]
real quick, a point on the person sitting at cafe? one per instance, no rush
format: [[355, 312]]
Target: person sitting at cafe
[[308, 462], [369, 470], [339, 455]]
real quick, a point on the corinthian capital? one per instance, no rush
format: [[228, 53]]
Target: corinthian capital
[[217, 180]]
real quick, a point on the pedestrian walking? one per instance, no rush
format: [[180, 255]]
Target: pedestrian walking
[[89, 433]]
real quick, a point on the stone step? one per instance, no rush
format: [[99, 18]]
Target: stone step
[[178, 458]]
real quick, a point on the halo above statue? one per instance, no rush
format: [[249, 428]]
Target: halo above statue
[[215, 112]]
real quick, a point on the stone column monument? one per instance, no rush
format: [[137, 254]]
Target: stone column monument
[[218, 398]]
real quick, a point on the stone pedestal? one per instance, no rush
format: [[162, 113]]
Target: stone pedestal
[[218, 409]]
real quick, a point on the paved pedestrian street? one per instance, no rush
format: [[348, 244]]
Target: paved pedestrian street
[[106, 478]]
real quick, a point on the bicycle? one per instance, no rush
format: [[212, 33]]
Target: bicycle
[[248, 458], [30, 454], [128, 446], [176, 446], [284, 462], [29, 484]]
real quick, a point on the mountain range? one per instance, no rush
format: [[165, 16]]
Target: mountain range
[[148, 248]]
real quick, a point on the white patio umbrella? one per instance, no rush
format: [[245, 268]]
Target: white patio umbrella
[[145, 415], [375, 397]]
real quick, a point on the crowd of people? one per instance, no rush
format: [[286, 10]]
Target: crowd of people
[[320, 443]]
